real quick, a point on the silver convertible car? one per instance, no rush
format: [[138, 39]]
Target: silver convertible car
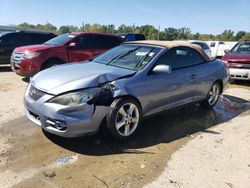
[[118, 88]]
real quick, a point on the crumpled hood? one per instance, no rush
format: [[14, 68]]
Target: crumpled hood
[[70, 77], [32, 48]]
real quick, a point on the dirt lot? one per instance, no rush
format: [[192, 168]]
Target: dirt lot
[[32, 158]]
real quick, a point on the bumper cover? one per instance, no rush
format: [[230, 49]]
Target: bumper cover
[[240, 74]]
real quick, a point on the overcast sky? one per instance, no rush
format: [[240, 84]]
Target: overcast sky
[[210, 16]]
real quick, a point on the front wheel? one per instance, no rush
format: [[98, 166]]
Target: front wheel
[[124, 119], [212, 96]]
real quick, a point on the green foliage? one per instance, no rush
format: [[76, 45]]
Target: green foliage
[[227, 35], [240, 34], [149, 31], [246, 37], [63, 29]]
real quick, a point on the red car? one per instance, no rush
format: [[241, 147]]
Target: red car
[[238, 61], [70, 47]]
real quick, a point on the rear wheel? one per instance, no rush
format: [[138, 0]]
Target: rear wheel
[[212, 96], [125, 118]]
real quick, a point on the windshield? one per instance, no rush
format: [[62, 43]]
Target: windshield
[[133, 57], [60, 40], [241, 48]]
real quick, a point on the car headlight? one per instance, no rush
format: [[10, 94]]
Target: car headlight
[[75, 98], [224, 61], [30, 55]]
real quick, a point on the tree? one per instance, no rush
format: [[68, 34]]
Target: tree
[[171, 33], [227, 35], [183, 32], [96, 27], [73, 28], [206, 37], [149, 31], [246, 37], [64, 29], [86, 28], [49, 27], [196, 36], [239, 35], [125, 29]]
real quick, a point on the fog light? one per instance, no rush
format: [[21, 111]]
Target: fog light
[[59, 125]]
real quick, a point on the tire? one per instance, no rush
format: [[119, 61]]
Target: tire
[[52, 63], [121, 123], [212, 96]]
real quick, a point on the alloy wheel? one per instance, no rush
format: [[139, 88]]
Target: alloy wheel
[[213, 94], [127, 119]]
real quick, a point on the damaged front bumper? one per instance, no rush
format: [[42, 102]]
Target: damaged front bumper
[[63, 120]]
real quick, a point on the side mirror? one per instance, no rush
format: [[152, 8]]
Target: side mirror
[[226, 51], [72, 45], [162, 69]]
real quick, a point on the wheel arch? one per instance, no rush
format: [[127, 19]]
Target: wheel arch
[[221, 84], [130, 97], [52, 59]]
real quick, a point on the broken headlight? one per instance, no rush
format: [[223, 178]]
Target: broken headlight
[[75, 98]]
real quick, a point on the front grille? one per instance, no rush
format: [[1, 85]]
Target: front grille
[[16, 58], [35, 94], [239, 65]]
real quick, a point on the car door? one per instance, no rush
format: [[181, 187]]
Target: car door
[[165, 91], [83, 49]]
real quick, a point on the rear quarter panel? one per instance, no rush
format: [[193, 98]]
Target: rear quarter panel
[[208, 73]]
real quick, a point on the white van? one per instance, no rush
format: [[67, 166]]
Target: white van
[[218, 47]]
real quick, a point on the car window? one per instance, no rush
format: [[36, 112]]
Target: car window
[[12, 40], [37, 38], [180, 57], [85, 42], [203, 45], [241, 48], [212, 44], [61, 39], [139, 37], [105, 42]]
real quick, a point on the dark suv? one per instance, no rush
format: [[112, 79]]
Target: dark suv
[[12, 39]]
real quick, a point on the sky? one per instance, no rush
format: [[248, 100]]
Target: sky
[[207, 16]]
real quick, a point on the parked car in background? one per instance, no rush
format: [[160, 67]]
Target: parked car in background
[[203, 45], [66, 48], [132, 36], [218, 47], [12, 39], [238, 61], [122, 86]]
